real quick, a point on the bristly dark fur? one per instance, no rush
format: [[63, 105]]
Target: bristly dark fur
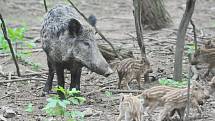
[[69, 43]]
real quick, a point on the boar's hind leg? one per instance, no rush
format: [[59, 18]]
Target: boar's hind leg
[[48, 85], [75, 78], [60, 78]]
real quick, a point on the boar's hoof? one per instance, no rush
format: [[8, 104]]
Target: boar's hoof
[[44, 93]]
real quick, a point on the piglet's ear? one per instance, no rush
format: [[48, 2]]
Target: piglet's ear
[[121, 97], [74, 27]]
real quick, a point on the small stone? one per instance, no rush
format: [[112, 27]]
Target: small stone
[[88, 112], [8, 112]]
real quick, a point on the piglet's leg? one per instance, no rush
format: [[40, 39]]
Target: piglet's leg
[[121, 116]]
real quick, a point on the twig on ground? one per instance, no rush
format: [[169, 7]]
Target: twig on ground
[[107, 83], [4, 30], [22, 79], [124, 91], [28, 99], [40, 74], [32, 51], [95, 91], [35, 73], [2, 74]]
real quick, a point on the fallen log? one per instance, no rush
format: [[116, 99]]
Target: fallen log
[[109, 54]]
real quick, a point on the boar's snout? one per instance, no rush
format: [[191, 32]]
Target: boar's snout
[[200, 102], [108, 72], [104, 70], [98, 63], [207, 96]]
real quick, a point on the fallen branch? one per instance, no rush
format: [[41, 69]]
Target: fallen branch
[[95, 91], [3, 75], [24, 75], [32, 51], [4, 30], [22, 79], [102, 36], [35, 73], [107, 83], [124, 91], [109, 54]]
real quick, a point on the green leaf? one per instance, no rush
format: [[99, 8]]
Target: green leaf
[[73, 91], [63, 103], [76, 114], [61, 89], [74, 101], [173, 83], [29, 108], [51, 103], [108, 93], [81, 99]]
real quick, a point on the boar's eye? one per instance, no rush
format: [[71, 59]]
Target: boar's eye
[[86, 44]]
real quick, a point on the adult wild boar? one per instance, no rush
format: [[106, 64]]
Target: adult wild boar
[[69, 43]]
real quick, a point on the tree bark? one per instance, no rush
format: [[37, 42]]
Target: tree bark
[[180, 39], [154, 13]]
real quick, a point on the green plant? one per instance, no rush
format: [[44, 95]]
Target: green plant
[[190, 48], [58, 107], [29, 108], [16, 36], [173, 83], [24, 59], [108, 93]]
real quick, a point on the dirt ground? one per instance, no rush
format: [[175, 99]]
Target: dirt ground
[[115, 20]]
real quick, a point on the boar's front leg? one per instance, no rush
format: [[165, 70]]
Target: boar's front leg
[[60, 78], [75, 78], [48, 85]]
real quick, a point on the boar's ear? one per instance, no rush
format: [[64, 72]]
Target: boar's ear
[[92, 20], [74, 27]]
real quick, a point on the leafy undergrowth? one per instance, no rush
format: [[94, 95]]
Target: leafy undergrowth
[[20, 44], [173, 83], [63, 109]]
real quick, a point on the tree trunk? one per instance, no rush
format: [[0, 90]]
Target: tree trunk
[[139, 31], [180, 39], [154, 14]]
